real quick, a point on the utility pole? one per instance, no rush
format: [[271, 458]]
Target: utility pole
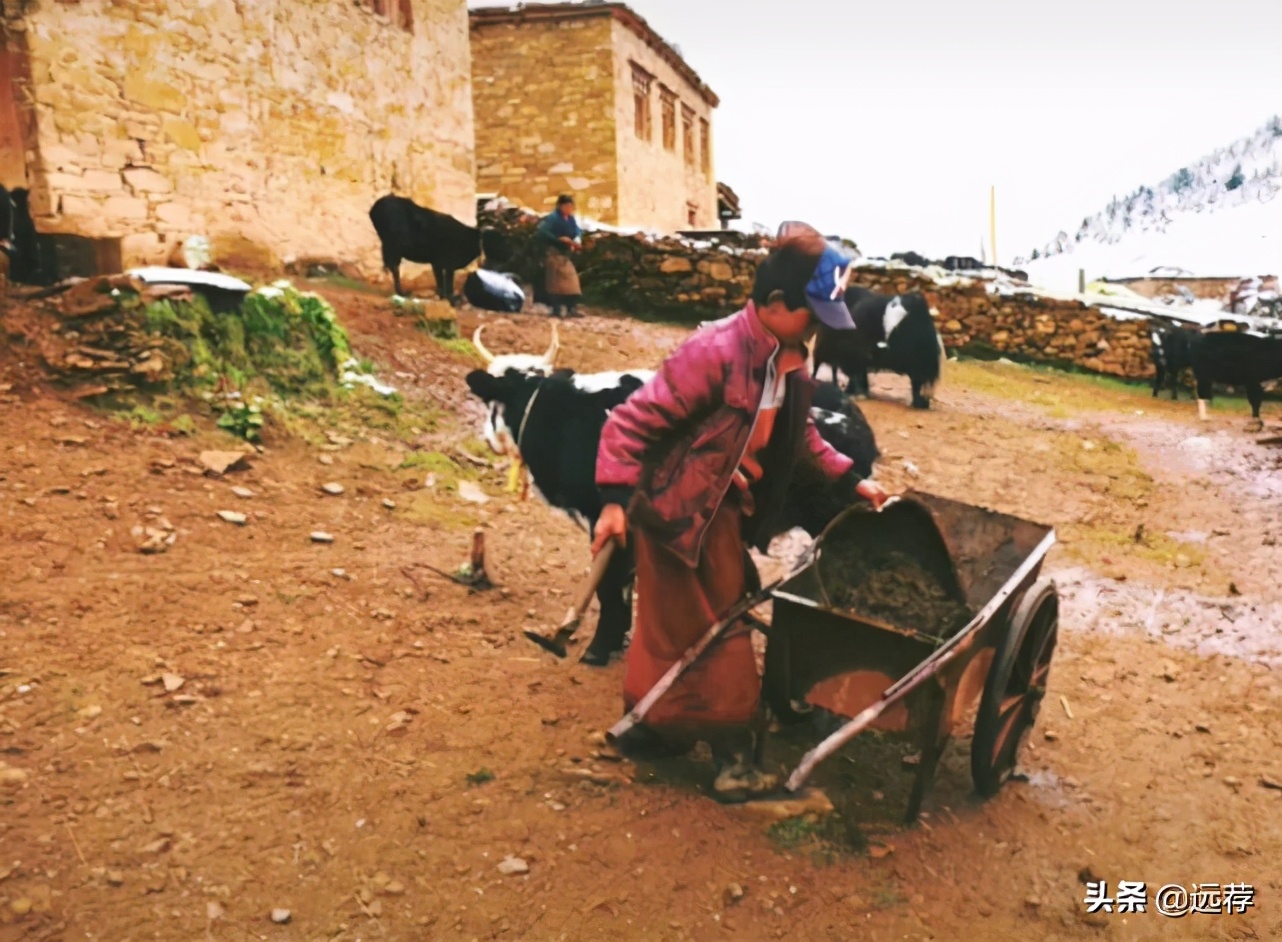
[[992, 221]]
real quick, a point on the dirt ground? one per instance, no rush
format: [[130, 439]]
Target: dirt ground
[[251, 721]]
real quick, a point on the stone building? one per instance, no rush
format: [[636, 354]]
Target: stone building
[[269, 126], [587, 99]]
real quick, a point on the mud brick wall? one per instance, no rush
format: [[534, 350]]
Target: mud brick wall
[[268, 125], [554, 112]]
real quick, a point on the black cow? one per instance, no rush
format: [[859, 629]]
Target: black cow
[[31, 256], [1172, 354], [555, 422], [912, 258], [891, 333], [492, 291], [7, 210], [1236, 358], [414, 233]]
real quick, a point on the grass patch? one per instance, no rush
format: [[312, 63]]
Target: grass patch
[[460, 346], [1139, 544], [822, 840], [480, 777], [435, 511], [1063, 393], [338, 280]]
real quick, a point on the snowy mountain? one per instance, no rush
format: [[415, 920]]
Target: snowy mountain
[[1219, 216]]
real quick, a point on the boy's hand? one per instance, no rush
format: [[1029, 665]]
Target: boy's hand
[[612, 524], [872, 492]]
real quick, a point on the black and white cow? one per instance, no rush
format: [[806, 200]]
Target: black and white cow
[[554, 423], [891, 333], [414, 233], [1236, 358], [1172, 354]]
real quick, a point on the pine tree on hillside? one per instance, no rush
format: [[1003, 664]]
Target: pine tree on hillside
[[1236, 180]]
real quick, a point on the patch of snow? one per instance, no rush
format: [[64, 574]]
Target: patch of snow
[[157, 275]]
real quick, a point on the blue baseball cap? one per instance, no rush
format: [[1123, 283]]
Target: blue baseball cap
[[826, 290]]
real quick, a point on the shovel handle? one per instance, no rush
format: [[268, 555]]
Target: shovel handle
[[597, 573]]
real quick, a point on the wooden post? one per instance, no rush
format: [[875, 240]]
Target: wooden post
[[992, 222], [1081, 281], [478, 556]]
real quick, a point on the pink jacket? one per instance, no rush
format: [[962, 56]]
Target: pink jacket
[[678, 440]]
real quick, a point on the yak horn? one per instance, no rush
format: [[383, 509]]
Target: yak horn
[[550, 357], [480, 347]]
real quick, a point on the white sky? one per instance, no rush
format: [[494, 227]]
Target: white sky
[[885, 122]]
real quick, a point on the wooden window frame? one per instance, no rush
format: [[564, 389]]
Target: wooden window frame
[[400, 13], [687, 133], [668, 107], [642, 120], [705, 147]]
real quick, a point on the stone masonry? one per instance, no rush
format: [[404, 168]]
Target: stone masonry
[[680, 280], [553, 93], [270, 126]]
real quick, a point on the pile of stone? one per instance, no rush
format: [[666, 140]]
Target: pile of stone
[[101, 343]]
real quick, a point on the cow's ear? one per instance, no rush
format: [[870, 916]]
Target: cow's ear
[[483, 385]]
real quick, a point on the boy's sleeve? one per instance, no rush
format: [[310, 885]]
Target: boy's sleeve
[[831, 462], [687, 383]]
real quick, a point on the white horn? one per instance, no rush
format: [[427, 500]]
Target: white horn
[[480, 347], [550, 357]]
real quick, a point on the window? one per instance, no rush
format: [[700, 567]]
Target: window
[[692, 214], [669, 99], [400, 12], [641, 80], [705, 148], [687, 131]]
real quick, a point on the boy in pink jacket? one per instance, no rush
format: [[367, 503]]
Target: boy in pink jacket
[[700, 457]]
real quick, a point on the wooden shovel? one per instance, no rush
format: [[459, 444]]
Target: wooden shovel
[[556, 644]]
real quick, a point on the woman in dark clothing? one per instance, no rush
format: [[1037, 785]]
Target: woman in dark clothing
[[559, 232]]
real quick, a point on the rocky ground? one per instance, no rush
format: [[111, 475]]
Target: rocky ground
[[243, 733]]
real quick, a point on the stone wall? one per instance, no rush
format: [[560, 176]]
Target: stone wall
[[269, 125], [655, 184], [971, 317], [542, 95], [1212, 289], [688, 282]]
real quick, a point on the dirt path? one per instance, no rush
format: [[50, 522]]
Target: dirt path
[[364, 749]]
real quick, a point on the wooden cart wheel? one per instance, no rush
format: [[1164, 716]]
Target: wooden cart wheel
[[1015, 687]]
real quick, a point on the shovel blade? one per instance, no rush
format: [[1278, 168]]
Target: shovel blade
[[552, 645]]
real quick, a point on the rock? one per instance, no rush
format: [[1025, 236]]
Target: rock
[[89, 712], [389, 504], [281, 916], [325, 459], [513, 866], [231, 516], [320, 536], [172, 682], [220, 462], [333, 489], [470, 492], [734, 893], [156, 537], [395, 888], [675, 265], [20, 906], [115, 878], [12, 778], [242, 492]]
